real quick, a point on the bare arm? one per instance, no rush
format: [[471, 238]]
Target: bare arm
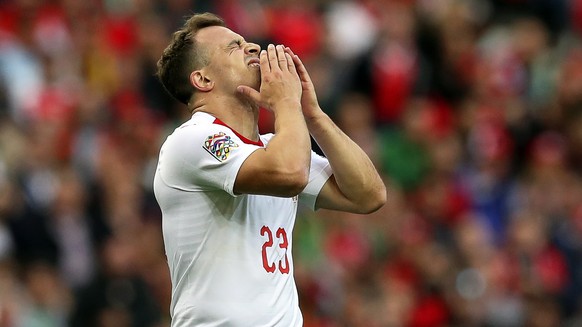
[[282, 167], [355, 185]]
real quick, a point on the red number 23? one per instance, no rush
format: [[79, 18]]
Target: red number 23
[[281, 235]]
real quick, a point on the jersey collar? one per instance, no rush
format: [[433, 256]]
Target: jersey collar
[[240, 136]]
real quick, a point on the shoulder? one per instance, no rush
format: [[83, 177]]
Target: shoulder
[[189, 140], [198, 121], [204, 135], [200, 127]]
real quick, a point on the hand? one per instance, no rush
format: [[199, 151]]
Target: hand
[[280, 81], [309, 102]]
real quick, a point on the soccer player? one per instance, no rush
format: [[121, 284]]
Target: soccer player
[[228, 195]]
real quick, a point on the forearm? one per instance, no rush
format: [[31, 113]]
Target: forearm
[[355, 185], [290, 147], [355, 175], [282, 167]]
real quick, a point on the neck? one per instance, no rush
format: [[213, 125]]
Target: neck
[[236, 112]]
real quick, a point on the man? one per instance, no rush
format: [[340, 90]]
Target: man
[[228, 195]]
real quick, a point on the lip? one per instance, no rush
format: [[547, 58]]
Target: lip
[[253, 60]]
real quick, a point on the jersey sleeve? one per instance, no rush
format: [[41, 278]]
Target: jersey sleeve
[[203, 157], [319, 173]]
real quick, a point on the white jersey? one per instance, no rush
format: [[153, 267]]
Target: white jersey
[[229, 256]]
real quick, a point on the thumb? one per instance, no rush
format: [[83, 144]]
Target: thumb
[[250, 93]]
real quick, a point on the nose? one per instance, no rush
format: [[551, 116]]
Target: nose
[[252, 48]]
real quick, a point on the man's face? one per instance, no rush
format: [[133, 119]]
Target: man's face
[[233, 61]]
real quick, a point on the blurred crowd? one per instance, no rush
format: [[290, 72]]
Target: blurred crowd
[[470, 109]]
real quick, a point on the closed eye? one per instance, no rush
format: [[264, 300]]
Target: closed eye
[[234, 45]]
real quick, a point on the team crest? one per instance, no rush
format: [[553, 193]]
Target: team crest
[[219, 146]]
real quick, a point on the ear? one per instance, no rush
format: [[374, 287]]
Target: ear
[[200, 81]]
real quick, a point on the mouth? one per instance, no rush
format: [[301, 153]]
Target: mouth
[[254, 62]]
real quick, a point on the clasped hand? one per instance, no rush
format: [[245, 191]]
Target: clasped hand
[[280, 82]]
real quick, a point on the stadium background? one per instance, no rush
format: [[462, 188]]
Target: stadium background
[[471, 110]]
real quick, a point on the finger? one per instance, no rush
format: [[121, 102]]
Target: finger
[[289, 51], [281, 58], [290, 63], [297, 63], [272, 54], [264, 63], [249, 92], [303, 74]]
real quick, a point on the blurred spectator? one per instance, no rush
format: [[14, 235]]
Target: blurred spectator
[[49, 301], [72, 231], [403, 149], [117, 296], [296, 24], [353, 23], [390, 71]]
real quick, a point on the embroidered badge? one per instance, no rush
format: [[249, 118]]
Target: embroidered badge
[[219, 146]]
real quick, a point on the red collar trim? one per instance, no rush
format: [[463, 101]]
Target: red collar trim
[[244, 139]]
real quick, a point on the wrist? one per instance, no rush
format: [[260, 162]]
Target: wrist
[[287, 103], [316, 117]]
